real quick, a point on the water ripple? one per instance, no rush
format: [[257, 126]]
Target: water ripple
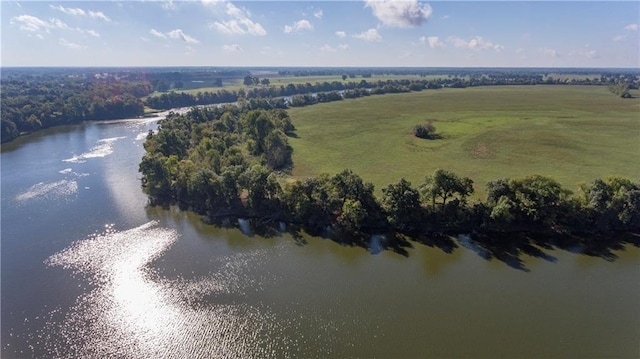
[[103, 148], [49, 190], [133, 312]]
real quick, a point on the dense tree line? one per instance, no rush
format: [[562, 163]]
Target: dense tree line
[[309, 94], [226, 162], [30, 103]]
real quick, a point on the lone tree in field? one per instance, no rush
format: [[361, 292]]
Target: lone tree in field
[[427, 131]]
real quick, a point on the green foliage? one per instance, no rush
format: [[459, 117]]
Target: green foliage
[[533, 199], [444, 185], [621, 89], [31, 103], [401, 203], [426, 131], [613, 203]]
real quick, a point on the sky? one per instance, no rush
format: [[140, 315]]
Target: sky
[[389, 33]]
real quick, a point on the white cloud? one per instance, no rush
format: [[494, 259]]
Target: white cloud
[[318, 14], [327, 48], [69, 11], [232, 48], [99, 15], [30, 23], [341, 34], [550, 52], [156, 33], [298, 26], [178, 34], [93, 33], [631, 27], [433, 41], [343, 46], [239, 24], [522, 53], [618, 38], [400, 13], [58, 24], [168, 5], [68, 44], [475, 43], [369, 35]]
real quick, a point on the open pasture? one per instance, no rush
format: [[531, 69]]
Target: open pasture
[[573, 134]]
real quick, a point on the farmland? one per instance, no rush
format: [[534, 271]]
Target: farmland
[[573, 134]]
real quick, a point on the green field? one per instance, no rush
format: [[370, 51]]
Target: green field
[[278, 81], [571, 133]]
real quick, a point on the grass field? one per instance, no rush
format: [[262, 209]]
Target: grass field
[[571, 133], [286, 80]]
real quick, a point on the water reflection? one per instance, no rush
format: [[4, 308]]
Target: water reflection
[[133, 312]]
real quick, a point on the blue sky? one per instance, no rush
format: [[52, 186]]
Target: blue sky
[[321, 33]]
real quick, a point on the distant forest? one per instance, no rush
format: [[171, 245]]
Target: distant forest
[[37, 98]]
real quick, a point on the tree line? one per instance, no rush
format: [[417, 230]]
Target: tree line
[[31, 103], [230, 161]]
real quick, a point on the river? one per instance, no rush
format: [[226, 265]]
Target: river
[[89, 270]]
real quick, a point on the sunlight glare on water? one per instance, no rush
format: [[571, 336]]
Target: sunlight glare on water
[[131, 312], [49, 190], [103, 148]]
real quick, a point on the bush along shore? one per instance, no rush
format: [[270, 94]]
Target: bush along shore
[[232, 161]]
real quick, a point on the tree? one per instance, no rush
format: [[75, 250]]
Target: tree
[[444, 185], [265, 82], [261, 185], [401, 203], [248, 80], [344, 77], [427, 131]]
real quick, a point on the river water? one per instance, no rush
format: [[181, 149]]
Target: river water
[[89, 270]]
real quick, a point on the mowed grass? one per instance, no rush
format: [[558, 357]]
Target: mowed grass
[[573, 134]]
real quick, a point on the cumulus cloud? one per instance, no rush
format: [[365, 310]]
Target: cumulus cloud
[[29, 23], [93, 33], [618, 38], [34, 24], [433, 41], [318, 14], [69, 11], [400, 13], [550, 52], [232, 48], [157, 33], [369, 35], [341, 34], [99, 15], [69, 44], [631, 27], [168, 5], [298, 26], [58, 24], [79, 12], [238, 24], [178, 34], [327, 48], [475, 43]]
